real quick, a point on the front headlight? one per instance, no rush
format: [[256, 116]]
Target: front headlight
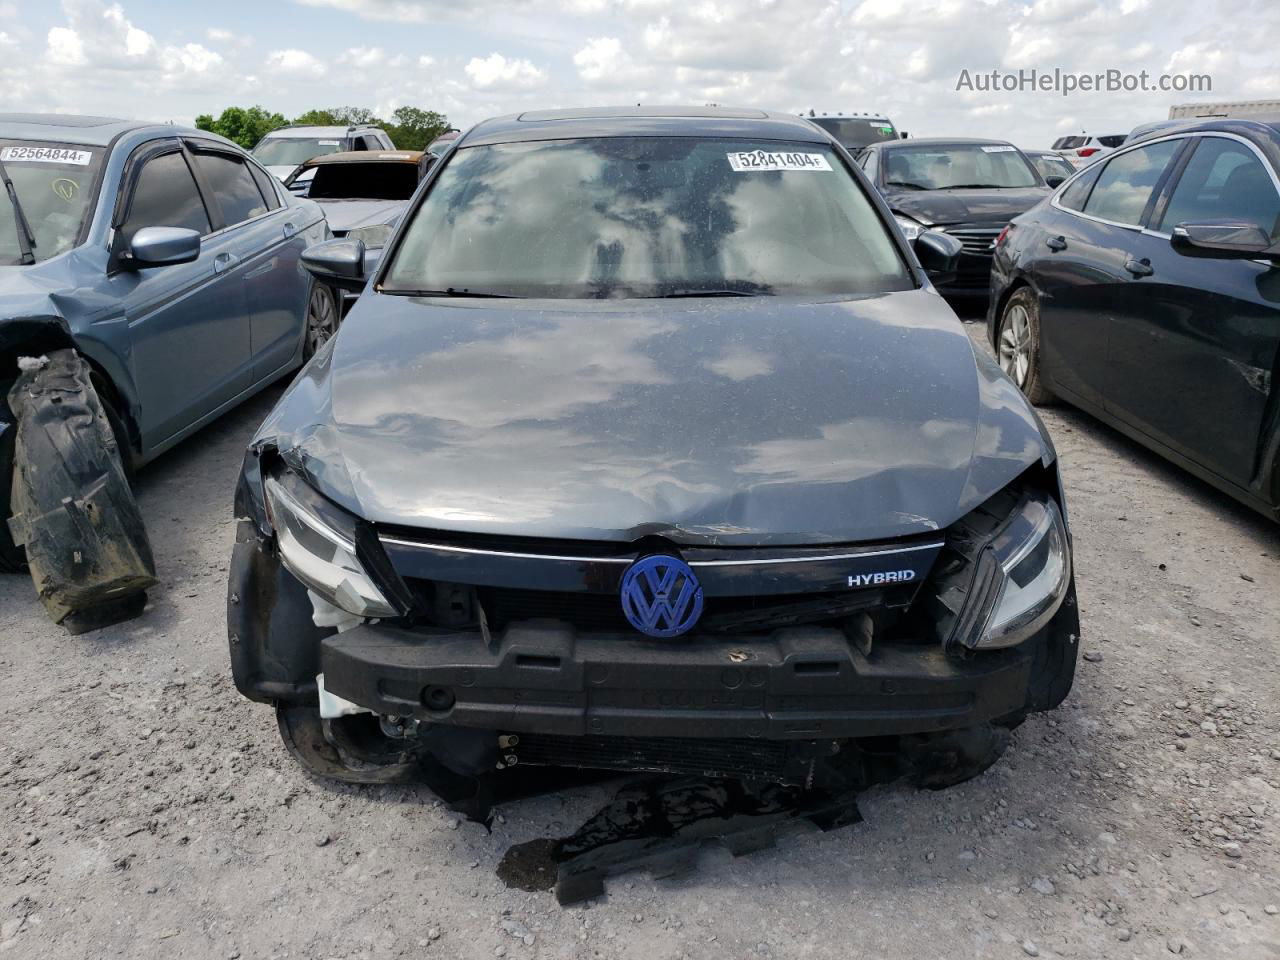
[[1033, 571], [317, 544], [910, 228], [375, 235]]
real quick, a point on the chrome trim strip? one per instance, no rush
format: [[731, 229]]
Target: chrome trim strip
[[449, 548]]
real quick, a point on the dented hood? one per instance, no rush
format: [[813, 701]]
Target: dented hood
[[737, 421]]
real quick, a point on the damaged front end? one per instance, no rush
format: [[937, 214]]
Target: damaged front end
[[72, 509]]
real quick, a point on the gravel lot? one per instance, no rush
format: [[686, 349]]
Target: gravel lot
[[147, 810]]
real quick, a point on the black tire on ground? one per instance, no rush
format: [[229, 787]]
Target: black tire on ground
[[322, 319], [1018, 345]]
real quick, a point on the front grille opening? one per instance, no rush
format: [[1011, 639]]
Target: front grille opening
[[861, 613]]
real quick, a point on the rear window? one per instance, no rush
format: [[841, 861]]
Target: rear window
[[1112, 141], [364, 181], [853, 132], [634, 217], [1070, 143]]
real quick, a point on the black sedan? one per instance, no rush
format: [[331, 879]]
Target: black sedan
[[1147, 292], [969, 189], [649, 445]]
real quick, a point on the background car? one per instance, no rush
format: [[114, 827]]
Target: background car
[[1053, 167], [1083, 149], [1147, 292], [363, 194], [969, 189], [853, 131], [166, 260], [282, 151]]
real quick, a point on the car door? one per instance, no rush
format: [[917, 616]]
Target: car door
[[1080, 262], [189, 337], [1194, 348], [259, 236]]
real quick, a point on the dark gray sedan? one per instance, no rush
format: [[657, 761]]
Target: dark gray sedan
[[650, 445]]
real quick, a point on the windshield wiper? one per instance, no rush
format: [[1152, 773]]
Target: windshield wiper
[[686, 294], [909, 184], [449, 292], [974, 186], [26, 239]]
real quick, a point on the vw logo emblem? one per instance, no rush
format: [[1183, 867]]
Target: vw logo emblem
[[661, 597]]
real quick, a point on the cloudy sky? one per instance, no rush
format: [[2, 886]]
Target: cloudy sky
[[174, 59]]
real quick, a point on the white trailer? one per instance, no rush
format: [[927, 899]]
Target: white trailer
[[1235, 108]]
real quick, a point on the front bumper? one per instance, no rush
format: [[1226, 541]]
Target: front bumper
[[800, 683]]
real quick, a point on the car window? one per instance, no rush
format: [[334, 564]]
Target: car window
[[165, 195], [1112, 141], [55, 186], [1069, 143], [1125, 184], [1224, 180], [371, 142], [957, 166], [854, 132], [1074, 196], [1050, 166], [234, 190], [266, 183], [291, 151], [634, 217]]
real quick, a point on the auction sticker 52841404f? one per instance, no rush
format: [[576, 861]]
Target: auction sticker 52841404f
[[755, 161], [79, 158]]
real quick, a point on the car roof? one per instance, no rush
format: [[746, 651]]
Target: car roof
[[72, 128], [845, 116], [938, 142], [643, 122], [304, 132], [366, 156], [1261, 127]]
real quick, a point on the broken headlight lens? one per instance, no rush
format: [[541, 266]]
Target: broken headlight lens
[[376, 235], [1034, 562], [318, 546]]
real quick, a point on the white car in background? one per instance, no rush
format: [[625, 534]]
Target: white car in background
[[1082, 149], [282, 151]]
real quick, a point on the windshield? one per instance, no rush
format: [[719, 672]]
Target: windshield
[[1053, 166], [856, 132], [379, 180], [646, 217], [291, 151], [952, 166], [54, 183]]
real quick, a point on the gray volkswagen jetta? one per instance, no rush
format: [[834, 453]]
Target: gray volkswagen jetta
[[651, 446]]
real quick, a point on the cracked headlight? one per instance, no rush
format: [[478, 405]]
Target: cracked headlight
[[1033, 570], [376, 235], [317, 543]]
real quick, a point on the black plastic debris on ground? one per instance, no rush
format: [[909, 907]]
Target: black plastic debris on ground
[[660, 824]]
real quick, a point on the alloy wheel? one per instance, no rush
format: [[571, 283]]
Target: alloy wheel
[[1015, 344], [322, 319]]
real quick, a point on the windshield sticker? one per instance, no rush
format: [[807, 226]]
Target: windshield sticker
[[1000, 149], [79, 158], [66, 189], [760, 160], [328, 143]]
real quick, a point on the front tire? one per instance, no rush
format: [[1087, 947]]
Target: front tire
[[1018, 345], [322, 319]]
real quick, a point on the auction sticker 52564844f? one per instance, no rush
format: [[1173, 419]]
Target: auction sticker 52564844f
[[754, 161], [79, 158]]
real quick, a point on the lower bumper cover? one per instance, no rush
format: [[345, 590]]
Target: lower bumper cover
[[801, 683]]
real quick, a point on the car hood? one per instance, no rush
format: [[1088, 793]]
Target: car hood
[[345, 215], [942, 207], [735, 421], [33, 290]]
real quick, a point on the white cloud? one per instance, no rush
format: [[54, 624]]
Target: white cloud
[[66, 47], [292, 62], [497, 72]]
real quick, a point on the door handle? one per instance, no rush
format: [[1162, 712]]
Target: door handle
[[224, 261], [1139, 268], [1056, 243], [289, 230]]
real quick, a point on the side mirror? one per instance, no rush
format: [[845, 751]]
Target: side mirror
[[339, 263], [162, 247], [939, 254], [1223, 240], [1055, 181]]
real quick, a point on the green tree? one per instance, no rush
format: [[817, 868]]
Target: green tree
[[316, 118], [412, 128], [245, 125]]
